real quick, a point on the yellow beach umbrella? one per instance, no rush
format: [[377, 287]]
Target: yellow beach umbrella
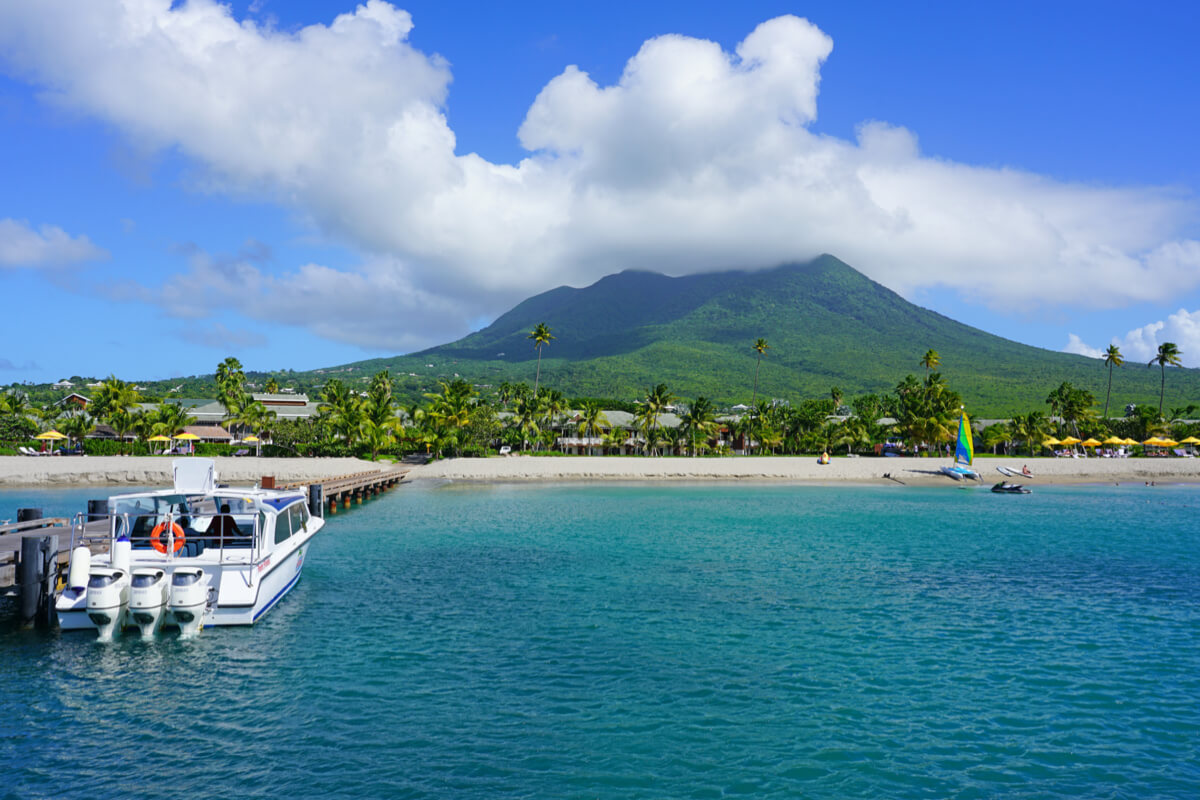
[[1091, 443], [1114, 440], [1130, 441], [1190, 440], [1069, 440], [188, 437], [1154, 441], [251, 438], [1050, 442], [1169, 443], [50, 436], [159, 438]]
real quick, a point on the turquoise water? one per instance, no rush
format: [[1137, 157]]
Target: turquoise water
[[661, 641]]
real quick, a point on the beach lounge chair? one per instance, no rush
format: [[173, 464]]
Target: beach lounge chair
[[241, 453], [506, 450]]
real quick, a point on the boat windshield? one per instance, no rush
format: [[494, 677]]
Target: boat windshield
[[204, 521]]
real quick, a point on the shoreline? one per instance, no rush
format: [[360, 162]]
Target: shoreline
[[802, 469], [67, 471]]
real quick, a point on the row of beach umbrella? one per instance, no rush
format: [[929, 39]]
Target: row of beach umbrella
[[1153, 441], [54, 436]]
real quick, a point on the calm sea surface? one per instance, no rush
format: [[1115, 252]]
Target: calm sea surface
[[604, 641]]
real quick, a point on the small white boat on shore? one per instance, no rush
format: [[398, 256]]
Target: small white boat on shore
[[193, 556]]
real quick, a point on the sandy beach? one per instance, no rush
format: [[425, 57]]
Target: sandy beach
[[147, 471], [804, 469], [141, 471]]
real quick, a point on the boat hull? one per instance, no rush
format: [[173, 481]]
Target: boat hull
[[245, 593]]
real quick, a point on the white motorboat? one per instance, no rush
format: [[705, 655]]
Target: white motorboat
[[193, 556]]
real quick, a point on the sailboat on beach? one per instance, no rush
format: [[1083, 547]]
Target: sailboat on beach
[[964, 452]]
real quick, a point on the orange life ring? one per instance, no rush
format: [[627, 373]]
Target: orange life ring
[[156, 537]]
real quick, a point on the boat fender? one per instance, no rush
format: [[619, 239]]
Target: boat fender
[[156, 537], [81, 565], [121, 554]]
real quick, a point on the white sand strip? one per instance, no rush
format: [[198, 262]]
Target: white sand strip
[[804, 469], [144, 471], [156, 471]]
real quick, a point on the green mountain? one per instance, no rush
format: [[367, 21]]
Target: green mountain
[[827, 325]]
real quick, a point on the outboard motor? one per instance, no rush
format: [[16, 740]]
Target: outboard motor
[[148, 599], [189, 599], [107, 600], [74, 596]]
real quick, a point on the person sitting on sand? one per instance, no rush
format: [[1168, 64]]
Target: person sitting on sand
[[1025, 471]]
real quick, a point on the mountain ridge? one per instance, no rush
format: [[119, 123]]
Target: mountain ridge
[[827, 325]]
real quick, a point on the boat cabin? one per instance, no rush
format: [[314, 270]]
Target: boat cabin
[[229, 524]]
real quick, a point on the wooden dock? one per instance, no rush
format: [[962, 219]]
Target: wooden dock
[[11, 535], [344, 490]]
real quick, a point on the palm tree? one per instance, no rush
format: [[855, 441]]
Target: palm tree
[[272, 386], [930, 361], [1112, 357], [836, 394], [112, 403], [650, 412], [591, 421], [1168, 353], [761, 347], [77, 426], [541, 336], [699, 419]]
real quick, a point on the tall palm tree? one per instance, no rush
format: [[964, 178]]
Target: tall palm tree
[[930, 361], [835, 393], [272, 386], [1112, 358], [761, 347], [1168, 353], [541, 336]]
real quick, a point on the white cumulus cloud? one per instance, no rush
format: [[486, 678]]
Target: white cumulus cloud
[[694, 159], [1079, 347], [48, 246], [1141, 344]]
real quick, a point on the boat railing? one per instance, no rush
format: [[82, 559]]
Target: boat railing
[[139, 529]]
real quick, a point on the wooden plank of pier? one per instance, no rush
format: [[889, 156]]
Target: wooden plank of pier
[[343, 489]]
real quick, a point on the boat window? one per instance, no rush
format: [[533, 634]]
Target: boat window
[[282, 529], [296, 516]]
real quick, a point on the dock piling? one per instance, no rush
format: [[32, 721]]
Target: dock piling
[[39, 560]]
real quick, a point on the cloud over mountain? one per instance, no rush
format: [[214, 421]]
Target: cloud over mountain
[[695, 159]]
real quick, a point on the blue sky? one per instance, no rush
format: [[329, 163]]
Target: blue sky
[[188, 181]]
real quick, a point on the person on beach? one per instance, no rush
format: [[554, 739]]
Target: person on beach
[[1025, 470]]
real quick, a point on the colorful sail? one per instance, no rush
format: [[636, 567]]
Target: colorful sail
[[964, 453]]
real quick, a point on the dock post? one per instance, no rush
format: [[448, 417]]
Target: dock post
[[28, 514], [333, 504], [316, 502], [345, 499], [39, 557]]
